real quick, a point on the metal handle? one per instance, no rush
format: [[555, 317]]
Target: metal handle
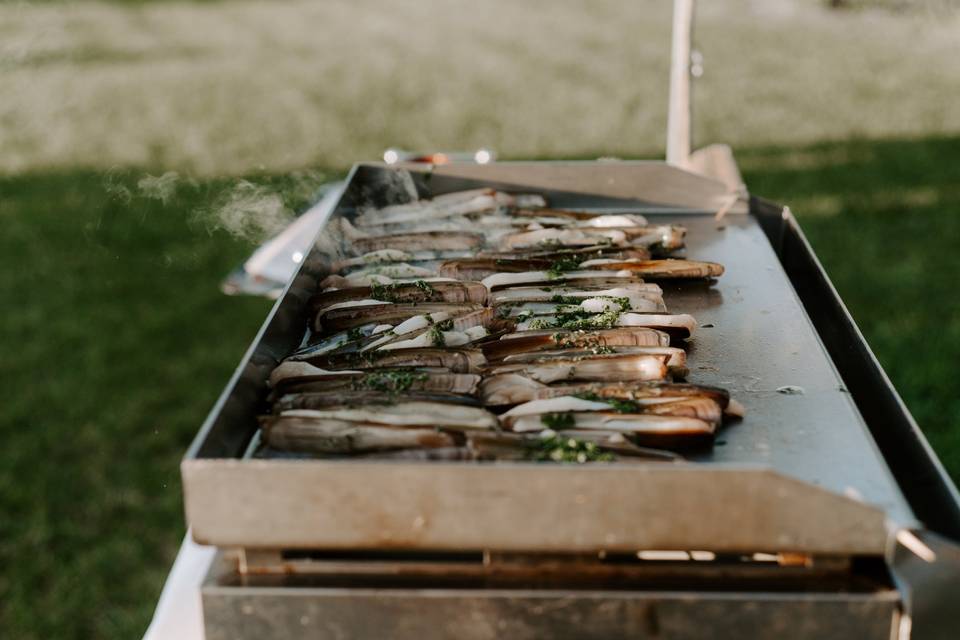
[[678, 116]]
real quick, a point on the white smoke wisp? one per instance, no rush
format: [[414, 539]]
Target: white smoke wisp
[[113, 185], [248, 211], [162, 188]]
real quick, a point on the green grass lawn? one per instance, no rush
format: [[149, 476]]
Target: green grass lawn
[[223, 88], [118, 342]]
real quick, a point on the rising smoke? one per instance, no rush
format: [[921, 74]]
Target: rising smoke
[[255, 212], [251, 211], [248, 211], [162, 188]]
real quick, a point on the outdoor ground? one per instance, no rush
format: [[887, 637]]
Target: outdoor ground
[[117, 340]]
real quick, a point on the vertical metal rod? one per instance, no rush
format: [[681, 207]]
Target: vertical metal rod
[[678, 116]]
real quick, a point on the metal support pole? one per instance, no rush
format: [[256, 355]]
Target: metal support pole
[[678, 116]]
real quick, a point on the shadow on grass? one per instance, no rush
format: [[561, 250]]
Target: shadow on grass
[[117, 344]]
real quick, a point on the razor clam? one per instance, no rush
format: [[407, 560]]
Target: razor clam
[[614, 442], [494, 445], [323, 435], [324, 400], [448, 454], [679, 326], [571, 215], [437, 240], [613, 220], [384, 381], [676, 358], [589, 304], [527, 341], [337, 341], [649, 291], [334, 281], [701, 408], [590, 277], [506, 389], [568, 253], [567, 237], [472, 202], [384, 313], [288, 370], [435, 331], [656, 430], [460, 203], [386, 256], [580, 220], [435, 338], [493, 227], [413, 413], [597, 368], [664, 237], [637, 391], [560, 404], [665, 432], [394, 270], [479, 268], [419, 291], [455, 360], [410, 326], [659, 269]]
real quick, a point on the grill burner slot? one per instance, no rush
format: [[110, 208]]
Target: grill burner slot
[[605, 571]]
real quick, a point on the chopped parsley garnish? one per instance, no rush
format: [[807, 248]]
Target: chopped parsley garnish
[[558, 421], [504, 308], [585, 320], [560, 449], [621, 301], [425, 286], [436, 332], [354, 334], [392, 292], [390, 381], [562, 265]]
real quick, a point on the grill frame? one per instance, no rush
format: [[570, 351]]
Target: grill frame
[[217, 452], [233, 502]]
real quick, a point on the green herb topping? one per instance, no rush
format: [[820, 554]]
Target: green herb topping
[[436, 332], [621, 301], [390, 380], [560, 449], [585, 320], [558, 421], [562, 265], [393, 292], [425, 286]]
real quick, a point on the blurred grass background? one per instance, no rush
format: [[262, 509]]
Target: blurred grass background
[[118, 340]]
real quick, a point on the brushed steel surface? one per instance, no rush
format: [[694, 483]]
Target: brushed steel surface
[[758, 339]]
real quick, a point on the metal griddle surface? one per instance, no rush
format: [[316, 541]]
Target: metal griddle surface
[[755, 337]]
